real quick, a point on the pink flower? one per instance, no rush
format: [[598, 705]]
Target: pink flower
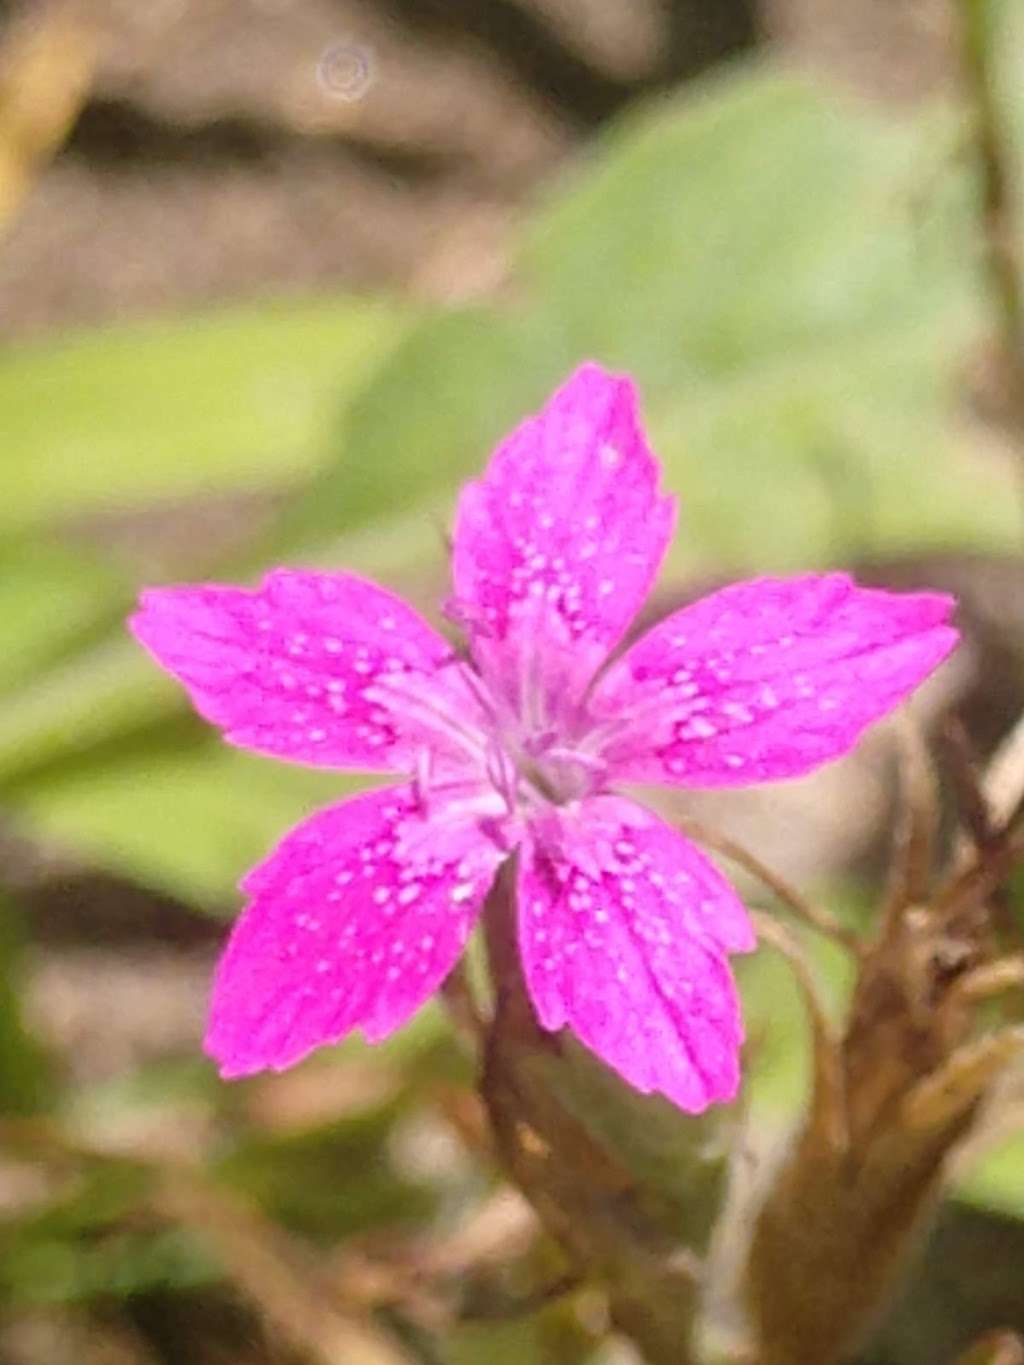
[[357, 916]]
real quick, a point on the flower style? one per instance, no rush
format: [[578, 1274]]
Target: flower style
[[625, 927]]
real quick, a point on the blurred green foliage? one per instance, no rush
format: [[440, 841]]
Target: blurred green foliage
[[26, 1084], [232, 401]]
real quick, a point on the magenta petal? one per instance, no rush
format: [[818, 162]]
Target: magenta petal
[[556, 546], [354, 921], [623, 927], [319, 668], [766, 679]]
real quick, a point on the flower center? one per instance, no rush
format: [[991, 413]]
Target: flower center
[[525, 762], [532, 762], [536, 770], [558, 771]]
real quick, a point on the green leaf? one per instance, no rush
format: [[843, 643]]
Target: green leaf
[[37, 1270], [181, 816], [426, 422], [228, 401], [234, 400], [842, 455], [993, 1180], [26, 1081], [50, 597], [500, 1343], [331, 1182], [790, 288], [103, 694], [755, 215], [82, 1245]]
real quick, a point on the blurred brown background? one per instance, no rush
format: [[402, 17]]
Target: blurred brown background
[[225, 146]]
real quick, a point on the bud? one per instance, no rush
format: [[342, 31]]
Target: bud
[[900, 1090]]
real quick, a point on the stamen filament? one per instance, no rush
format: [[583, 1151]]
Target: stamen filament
[[438, 718]]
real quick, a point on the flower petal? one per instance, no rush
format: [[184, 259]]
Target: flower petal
[[317, 668], [556, 546], [623, 930], [354, 921], [765, 680]]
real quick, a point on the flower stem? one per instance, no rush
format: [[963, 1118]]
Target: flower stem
[[978, 45], [585, 1197], [999, 231], [814, 915]]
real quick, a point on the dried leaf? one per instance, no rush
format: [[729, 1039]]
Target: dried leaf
[[47, 64]]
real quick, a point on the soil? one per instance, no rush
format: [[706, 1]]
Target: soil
[[227, 148]]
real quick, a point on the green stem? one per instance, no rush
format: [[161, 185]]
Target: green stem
[[998, 224], [1002, 265]]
